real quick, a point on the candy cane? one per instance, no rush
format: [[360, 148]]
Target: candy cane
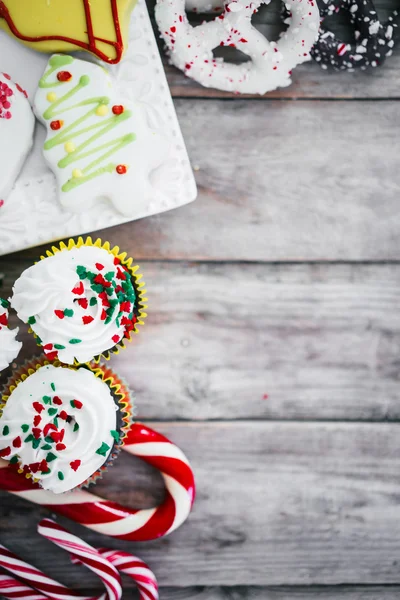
[[45, 585], [11, 588], [111, 518], [135, 568], [86, 555], [78, 549]]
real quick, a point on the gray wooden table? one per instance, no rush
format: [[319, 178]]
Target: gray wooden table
[[271, 354]]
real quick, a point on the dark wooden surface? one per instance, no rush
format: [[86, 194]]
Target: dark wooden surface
[[271, 351]]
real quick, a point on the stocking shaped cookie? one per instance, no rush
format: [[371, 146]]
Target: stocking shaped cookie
[[98, 145], [16, 132], [100, 27]]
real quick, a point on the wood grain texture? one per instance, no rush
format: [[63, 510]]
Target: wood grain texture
[[283, 593], [263, 342], [278, 503], [281, 181]]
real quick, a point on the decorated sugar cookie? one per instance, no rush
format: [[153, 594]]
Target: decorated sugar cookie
[[9, 346], [16, 132], [100, 27], [98, 145]]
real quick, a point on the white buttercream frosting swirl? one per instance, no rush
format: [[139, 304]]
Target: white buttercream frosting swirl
[[79, 302], [60, 425], [9, 345]]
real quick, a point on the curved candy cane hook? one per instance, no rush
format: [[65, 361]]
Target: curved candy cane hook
[[135, 568], [110, 518], [49, 588]]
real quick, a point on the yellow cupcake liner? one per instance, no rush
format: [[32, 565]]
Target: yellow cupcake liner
[[118, 388], [139, 286]]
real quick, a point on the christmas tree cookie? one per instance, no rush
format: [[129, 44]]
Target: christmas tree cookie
[[98, 145], [99, 27]]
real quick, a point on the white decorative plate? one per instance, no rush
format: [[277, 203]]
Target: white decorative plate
[[32, 215]]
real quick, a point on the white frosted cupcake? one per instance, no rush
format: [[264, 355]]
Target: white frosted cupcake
[[9, 345], [82, 301], [61, 425]]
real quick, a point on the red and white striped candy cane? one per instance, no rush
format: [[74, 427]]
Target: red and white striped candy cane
[[11, 588], [86, 555], [110, 518], [136, 569]]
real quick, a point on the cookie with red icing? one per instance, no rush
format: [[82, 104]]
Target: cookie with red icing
[[17, 124], [99, 27]]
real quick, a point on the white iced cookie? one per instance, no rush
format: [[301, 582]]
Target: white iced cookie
[[9, 346], [271, 64], [60, 425], [17, 124], [79, 303], [98, 145]]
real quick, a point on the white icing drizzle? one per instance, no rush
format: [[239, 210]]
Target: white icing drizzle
[[65, 321], [53, 388], [9, 346]]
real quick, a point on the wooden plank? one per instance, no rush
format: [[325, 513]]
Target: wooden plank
[[283, 593], [281, 181], [278, 503], [263, 342], [309, 81], [346, 592]]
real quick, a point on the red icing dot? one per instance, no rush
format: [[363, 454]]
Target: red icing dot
[[63, 415], [118, 109], [60, 447], [5, 452], [121, 169], [83, 303], [87, 320], [75, 464], [56, 125], [99, 266], [79, 289], [3, 320], [57, 400], [115, 339], [34, 467], [64, 76], [38, 407], [59, 314], [117, 261], [52, 355], [47, 428], [36, 432], [43, 466], [103, 315], [57, 436], [77, 404], [36, 420], [17, 443]]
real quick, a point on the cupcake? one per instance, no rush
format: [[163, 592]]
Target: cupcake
[[82, 301], [62, 425], [9, 346]]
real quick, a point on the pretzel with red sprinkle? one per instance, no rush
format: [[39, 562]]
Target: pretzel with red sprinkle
[[271, 64]]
